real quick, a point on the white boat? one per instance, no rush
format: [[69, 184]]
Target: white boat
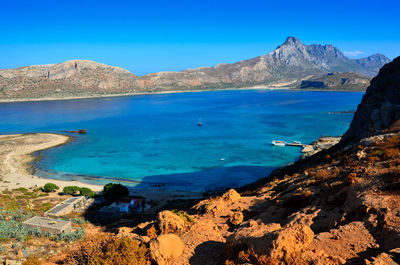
[[295, 143], [278, 143]]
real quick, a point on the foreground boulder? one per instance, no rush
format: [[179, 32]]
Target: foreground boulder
[[169, 222], [166, 249], [270, 240]]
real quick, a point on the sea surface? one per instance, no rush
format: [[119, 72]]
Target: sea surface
[[155, 141]]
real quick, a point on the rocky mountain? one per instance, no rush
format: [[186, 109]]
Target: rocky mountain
[[374, 62], [337, 81], [71, 78], [380, 106], [287, 64]]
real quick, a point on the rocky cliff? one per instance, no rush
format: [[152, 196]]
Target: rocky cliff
[[380, 106], [285, 66]]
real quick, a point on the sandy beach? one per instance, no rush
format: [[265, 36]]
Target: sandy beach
[[16, 155]]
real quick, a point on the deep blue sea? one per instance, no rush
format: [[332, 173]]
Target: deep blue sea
[[155, 139]]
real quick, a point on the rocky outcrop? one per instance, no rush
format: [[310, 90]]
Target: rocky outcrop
[[169, 222], [166, 249], [337, 81], [285, 66], [380, 106]]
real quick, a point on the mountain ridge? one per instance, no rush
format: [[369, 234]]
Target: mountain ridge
[[287, 64]]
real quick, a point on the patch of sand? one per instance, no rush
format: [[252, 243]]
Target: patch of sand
[[16, 155]]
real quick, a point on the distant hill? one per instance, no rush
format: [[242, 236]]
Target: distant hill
[[337, 81], [72, 78], [285, 66]]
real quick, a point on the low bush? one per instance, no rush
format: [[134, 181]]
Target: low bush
[[183, 215], [108, 250], [33, 260], [75, 190], [71, 190], [70, 237], [113, 191], [87, 192], [50, 187]]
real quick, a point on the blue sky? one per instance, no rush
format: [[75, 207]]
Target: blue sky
[[148, 36]]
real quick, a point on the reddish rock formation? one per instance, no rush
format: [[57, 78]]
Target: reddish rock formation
[[81, 131]]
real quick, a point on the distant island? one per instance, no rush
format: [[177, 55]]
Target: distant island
[[291, 65]]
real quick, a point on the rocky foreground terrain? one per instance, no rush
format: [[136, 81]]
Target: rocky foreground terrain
[[339, 206], [287, 65]]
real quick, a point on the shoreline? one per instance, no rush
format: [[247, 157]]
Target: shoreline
[[17, 156], [260, 87], [17, 169]]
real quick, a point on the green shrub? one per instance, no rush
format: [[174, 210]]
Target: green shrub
[[183, 215], [23, 190], [50, 187], [113, 191], [70, 237], [45, 207], [87, 192], [71, 190]]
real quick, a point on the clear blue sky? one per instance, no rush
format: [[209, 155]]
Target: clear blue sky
[[148, 36]]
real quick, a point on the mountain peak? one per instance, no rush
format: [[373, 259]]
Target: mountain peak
[[291, 40]]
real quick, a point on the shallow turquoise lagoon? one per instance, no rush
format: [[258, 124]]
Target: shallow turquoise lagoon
[[155, 140]]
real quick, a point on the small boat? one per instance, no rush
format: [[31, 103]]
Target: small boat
[[199, 124], [222, 159], [278, 143], [295, 143]]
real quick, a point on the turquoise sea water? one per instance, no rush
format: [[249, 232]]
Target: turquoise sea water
[[155, 139]]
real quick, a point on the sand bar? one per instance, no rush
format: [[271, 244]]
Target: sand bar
[[16, 155]]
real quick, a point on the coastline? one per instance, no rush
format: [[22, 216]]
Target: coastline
[[257, 87], [260, 87], [16, 155], [17, 152]]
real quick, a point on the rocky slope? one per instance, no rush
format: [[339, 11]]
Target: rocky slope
[[72, 78], [380, 106], [339, 206], [337, 81], [287, 64]]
